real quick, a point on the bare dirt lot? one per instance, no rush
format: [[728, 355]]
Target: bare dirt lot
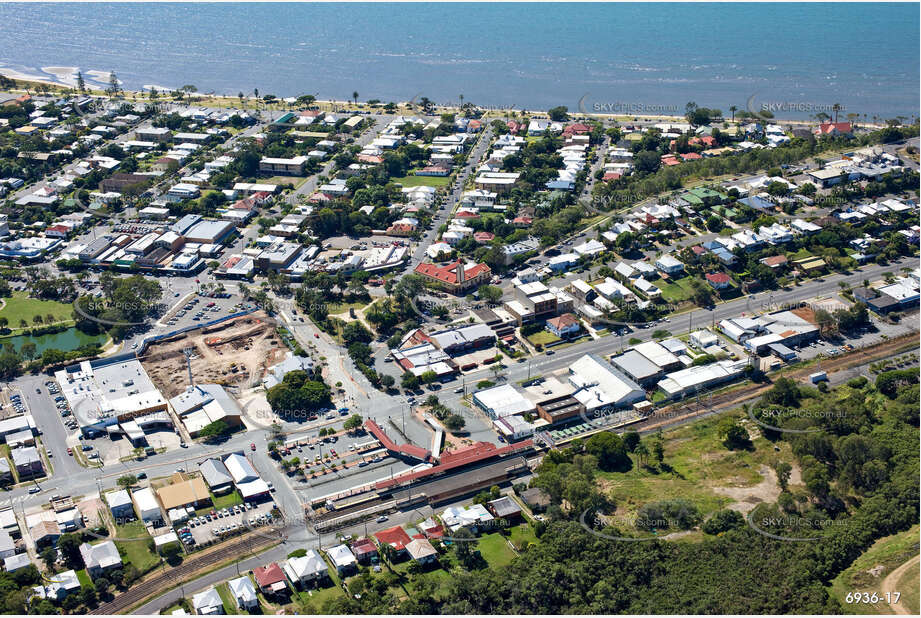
[[235, 353]]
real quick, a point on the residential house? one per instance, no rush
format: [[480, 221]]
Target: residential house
[[305, 569], [421, 551], [244, 592], [564, 326], [718, 281], [208, 602], [342, 558], [270, 579], [100, 558]]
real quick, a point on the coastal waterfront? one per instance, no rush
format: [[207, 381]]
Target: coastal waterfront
[[603, 55]]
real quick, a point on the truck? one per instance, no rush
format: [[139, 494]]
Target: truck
[[818, 376]]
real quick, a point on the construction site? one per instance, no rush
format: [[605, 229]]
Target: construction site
[[234, 353]]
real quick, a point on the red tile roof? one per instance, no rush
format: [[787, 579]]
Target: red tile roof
[[576, 129], [609, 176], [563, 321], [447, 273], [396, 537], [410, 450], [363, 547], [717, 277], [268, 575], [690, 155], [830, 127], [483, 237]]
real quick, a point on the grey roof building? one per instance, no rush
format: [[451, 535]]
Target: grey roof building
[[637, 366], [216, 475]]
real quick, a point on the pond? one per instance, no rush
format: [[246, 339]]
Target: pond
[[67, 340]]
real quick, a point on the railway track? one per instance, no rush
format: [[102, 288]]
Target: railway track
[[685, 411], [171, 578]]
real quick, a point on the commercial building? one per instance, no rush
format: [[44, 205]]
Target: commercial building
[[185, 493], [216, 476], [105, 392], [694, 379], [658, 355], [638, 367], [502, 401], [203, 404], [598, 384]]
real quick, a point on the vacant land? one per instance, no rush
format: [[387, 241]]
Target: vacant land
[[868, 571], [699, 468], [135, 552], [676, 290], [234, 353]]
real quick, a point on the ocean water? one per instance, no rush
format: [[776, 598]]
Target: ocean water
[[795, 59]]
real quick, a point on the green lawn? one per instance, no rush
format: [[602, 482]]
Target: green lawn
[[543, 338], [230, 604], [799, 255], [495, 550], [890, 552], [83, 578], [231, 499], [336, 308], [311, 601], [21, 307], [676, 290], [136, 552], [283, 180], [523, 534], [428, 181]]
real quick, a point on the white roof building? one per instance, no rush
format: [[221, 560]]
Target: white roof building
[[341, 557], [458, 517], [244, 592], [147, 506], [598, 384], [502, 401], [208, 602], [240, 468]]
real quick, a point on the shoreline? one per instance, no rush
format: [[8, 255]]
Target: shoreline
[[280, 105]]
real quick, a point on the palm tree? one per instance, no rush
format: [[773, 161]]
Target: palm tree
[[355, 97], [641, 453], [732, 110], [836, 108]]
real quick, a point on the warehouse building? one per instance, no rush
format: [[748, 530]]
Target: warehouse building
[[502, 401], [598, 384]]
